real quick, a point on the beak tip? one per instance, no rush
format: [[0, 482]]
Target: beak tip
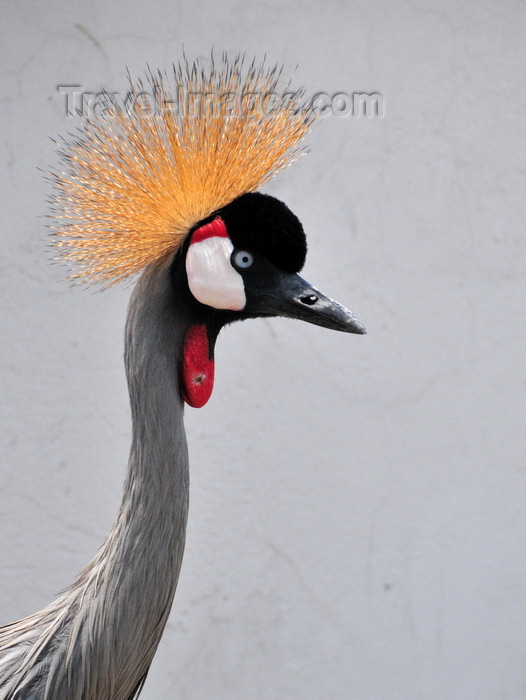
[[351, 324], [357, 327]]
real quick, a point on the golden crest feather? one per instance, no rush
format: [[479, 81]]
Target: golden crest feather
[[136, 180]]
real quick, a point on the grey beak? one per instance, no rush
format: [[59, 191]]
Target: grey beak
[[288, 294]]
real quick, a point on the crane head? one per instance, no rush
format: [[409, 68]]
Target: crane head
[[243, 262], [176, 185]]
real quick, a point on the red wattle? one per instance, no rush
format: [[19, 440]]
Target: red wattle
[[197, 367]]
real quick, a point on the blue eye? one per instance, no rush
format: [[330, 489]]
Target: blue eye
[[243, 259]]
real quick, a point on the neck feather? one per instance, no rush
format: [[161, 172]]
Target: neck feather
[[98, 639]]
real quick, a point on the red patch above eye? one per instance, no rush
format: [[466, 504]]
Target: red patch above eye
[[214, 228], [197, 368]]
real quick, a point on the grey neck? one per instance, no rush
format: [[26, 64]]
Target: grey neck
[[98, 639], [145, 549]]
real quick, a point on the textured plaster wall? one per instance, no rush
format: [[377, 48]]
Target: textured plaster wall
[[358, 523]]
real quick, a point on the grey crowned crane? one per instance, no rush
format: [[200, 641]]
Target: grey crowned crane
[[170, 195]]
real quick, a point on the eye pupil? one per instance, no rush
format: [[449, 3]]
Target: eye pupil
[[243, 259]]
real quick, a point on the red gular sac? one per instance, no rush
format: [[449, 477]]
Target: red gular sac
[[197, 367]]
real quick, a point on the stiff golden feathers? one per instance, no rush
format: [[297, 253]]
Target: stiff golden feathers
[[137, 179]]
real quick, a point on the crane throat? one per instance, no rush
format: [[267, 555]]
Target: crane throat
[[197, 370]]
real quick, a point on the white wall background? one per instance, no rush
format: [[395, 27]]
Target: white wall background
[[358, 518]]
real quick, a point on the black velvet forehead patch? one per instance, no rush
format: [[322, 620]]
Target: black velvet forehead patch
[[266, 226]]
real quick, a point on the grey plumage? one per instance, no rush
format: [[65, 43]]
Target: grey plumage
[[97, 640]]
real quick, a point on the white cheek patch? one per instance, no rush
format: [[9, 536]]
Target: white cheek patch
[[211, 277]]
